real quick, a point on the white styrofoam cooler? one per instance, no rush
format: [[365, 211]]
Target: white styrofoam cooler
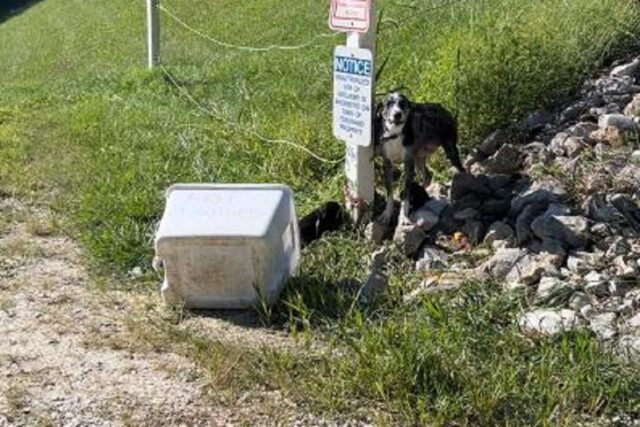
[[225, 246]]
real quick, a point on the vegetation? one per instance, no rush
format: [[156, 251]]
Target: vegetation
[[85, 125]]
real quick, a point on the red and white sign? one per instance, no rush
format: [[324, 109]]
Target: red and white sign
[[350, 15]]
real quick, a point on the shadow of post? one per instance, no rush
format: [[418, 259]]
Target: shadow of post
[[12, 8]]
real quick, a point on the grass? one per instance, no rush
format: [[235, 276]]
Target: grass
[[85, 127]]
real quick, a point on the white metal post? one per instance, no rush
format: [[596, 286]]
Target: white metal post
[[153, 33], [359, 159]]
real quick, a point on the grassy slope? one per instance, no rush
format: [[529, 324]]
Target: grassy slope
[[81, 120]]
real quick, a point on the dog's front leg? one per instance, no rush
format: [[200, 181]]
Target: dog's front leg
[[386, 216], [409, 178]]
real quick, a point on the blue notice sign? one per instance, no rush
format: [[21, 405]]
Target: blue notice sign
[[352, 95]]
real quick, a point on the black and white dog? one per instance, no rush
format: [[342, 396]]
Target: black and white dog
[[408, 133]]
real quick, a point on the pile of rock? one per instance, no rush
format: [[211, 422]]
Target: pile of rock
[[556, 199]]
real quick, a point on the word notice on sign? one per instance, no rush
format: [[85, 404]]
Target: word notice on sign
[[350, 15], [352, 95]]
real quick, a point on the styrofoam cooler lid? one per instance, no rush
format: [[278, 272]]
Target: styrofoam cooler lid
[[223, 210]]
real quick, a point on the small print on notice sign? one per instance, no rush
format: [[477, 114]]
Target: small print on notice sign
[[350, 15], [352, 95]]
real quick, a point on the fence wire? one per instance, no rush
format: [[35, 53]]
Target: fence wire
[[240, 128], [270, 48]]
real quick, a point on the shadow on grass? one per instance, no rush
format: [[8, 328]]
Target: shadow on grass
[[12, 8], [303, 301]]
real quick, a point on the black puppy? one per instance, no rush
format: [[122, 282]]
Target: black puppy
[[408, 133], [322, 220]]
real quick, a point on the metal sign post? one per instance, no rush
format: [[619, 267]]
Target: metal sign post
[[354, 98], [153, 34]]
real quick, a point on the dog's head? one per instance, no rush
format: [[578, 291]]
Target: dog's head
[[393, 110]]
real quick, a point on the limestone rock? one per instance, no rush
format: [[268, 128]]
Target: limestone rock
[[628, 348], [580, 262], [409, 238], [425, 218], [508, 159], [619, 121], [432, 258], [596, 284], [376, 232], [604, 325], [549, 322], [499, 231], [466, 183], [501, 263], [541, 193], [570, 230]]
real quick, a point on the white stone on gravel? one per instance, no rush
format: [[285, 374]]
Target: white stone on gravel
[[604, 325], [634, 322], [548, 321], [629, 348]]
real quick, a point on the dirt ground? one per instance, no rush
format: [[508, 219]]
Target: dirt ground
[[58, 361]]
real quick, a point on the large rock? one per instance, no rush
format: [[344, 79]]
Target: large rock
[[604, 325], [499, 231], [436, 205], [629, 348], [507, 160], [466, 183], [540, 193], [501, 263], [597, 208], [496, 207], [409, 238], [534, 123], [524, 221], [556, 146], [425, 218], [582, 130], [488, 147], [530, 269], [572, 230], [549, 322], [628, 208], [580, 262], [620, 121], [596, 284]]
